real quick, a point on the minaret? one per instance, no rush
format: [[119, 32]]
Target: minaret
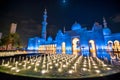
[[44, 25], [104, 23]]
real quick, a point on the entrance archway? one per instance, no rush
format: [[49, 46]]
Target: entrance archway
[[92, 48], [63, 48], [116, 45], [75, 46], [110, 46]]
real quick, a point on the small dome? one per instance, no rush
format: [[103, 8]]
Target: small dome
[[106, 31], [60, 33], [76, 26], [50, 39]]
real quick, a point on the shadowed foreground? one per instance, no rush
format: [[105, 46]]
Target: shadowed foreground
[[4, 76]]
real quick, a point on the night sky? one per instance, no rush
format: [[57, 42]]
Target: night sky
[[28, 14]]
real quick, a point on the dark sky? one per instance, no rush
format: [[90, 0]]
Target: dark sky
[[28, 15]]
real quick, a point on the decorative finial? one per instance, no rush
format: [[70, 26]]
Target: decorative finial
[[104, 22], [75, 22], [45, 12], [64, 29]]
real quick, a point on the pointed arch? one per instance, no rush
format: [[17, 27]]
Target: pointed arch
[[116, 42], [110, 45], [63, 48], [116, 45], [75, 48], [92, 48]]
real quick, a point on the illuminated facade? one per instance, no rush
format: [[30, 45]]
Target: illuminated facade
[[79, 41]]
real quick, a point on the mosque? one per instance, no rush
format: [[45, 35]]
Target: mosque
[[96, 42]]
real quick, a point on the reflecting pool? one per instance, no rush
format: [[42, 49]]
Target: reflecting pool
[[58, 66]]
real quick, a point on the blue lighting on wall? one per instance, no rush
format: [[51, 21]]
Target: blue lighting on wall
[[100, 35]]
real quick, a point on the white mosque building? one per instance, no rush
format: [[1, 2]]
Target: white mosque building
[[79, 41]]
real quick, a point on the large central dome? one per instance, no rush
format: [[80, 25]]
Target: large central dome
[[76, 26]]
